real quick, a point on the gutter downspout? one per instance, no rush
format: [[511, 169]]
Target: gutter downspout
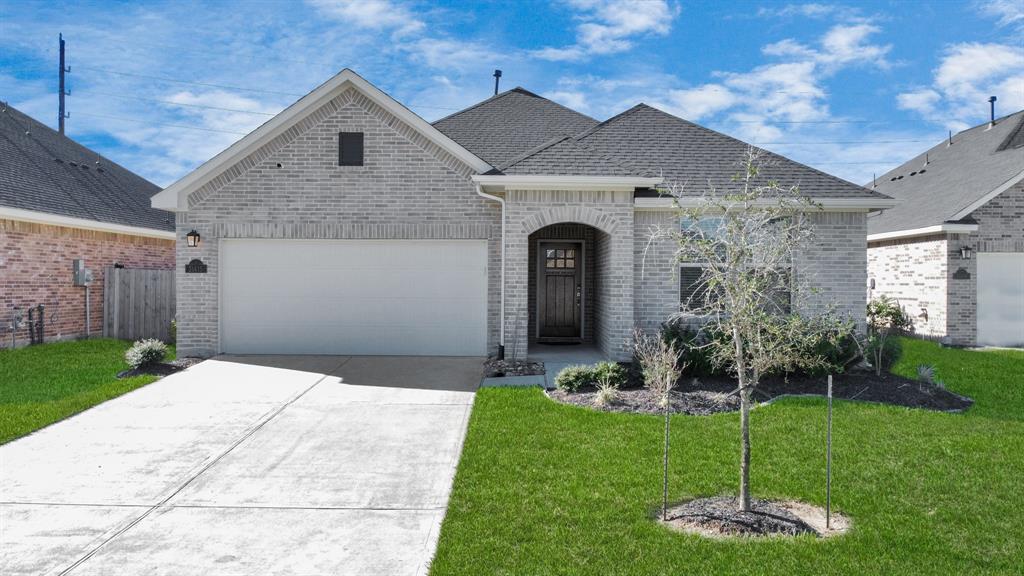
[[501, 313]]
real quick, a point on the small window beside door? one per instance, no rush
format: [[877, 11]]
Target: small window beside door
[[350, 148], [560, 258]]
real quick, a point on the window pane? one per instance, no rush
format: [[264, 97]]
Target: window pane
[[560, 264], [570, 253], [561, 253], [570, 263], [550, 263], [551, 253]]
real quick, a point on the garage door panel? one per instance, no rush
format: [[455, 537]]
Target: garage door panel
[[354, 297], [1000, 299]]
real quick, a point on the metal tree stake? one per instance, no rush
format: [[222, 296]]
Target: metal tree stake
[[828, 461]]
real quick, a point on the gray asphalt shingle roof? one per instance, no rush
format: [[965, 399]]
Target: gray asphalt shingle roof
[[42, 171], [685, 153], [566, 156], [980, 160], [509, 124]]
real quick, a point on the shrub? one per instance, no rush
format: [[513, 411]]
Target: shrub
[[611, 373], [694, 349], [572, 378], [174, 331], [883, 352], [885, 316], [145, 352], [606, 393]]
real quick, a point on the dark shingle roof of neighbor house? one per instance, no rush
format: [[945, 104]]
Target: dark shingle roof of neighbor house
[[519, 132], [43, 171], [509, 124], [979, 161]]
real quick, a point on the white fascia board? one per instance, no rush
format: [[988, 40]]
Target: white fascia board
[[70, 222], [826, 204], [175, 196], [926, 231], [985, 199], [540, 182]]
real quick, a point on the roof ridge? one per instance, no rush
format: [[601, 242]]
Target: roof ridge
[[536, 149], [515, 90], [592, 129]]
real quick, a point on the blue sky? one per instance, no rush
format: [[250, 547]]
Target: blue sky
[[852, 88]]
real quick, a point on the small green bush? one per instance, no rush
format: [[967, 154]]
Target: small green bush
[[696, 354], [891, 351], [611, 373], [572, 378], [145, 352]]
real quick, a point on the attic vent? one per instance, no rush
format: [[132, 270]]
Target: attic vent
[[350, 148]]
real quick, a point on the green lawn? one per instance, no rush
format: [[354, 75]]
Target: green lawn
[[544, 488], [40, 385]]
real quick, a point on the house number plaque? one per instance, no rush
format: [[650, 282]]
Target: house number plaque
[[196, 266]]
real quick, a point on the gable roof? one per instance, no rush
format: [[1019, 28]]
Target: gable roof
[[691, 155], [45, 173], [175, 196], [507, 125], [957, 179]]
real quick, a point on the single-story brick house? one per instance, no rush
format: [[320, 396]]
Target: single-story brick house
[[952, 251], [60, 201], [349, 225]]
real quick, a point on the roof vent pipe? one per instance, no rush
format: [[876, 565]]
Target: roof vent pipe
[[497, 78], [992, 111]]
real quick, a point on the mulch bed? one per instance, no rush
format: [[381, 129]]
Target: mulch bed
[[719, 516], [704, 396], [160, 368], [500, 368]]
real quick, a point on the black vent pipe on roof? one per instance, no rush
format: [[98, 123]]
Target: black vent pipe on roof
[[992, 110], [497, 78]]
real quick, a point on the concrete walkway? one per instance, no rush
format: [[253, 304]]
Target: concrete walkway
[[244, 465]]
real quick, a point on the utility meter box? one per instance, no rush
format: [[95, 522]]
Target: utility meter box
[[81, 276]]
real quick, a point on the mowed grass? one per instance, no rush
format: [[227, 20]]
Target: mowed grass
[[544, 488], [40, 385]]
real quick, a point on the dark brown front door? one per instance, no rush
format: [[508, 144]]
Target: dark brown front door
[[560, 291]]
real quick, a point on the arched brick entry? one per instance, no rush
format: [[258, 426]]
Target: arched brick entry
[[610, 216]]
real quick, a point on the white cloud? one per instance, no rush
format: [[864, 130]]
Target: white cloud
[[811, 10], [703, 101], [449, 55], [843, 44], [372, 14], [573, 99], [610, 26], [1008, 12], [966, 76]]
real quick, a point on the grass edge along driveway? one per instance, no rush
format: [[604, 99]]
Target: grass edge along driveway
[[46, 383], [544, 488]]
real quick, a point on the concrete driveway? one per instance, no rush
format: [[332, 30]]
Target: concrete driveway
[[245, 465]]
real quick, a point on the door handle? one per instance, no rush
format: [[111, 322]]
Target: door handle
[[579, 294]]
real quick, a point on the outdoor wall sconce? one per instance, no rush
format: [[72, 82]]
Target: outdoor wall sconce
[[965, 252], [193, 239]]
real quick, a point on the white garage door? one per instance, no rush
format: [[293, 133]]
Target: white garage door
[[391, 297], [1001, 299]]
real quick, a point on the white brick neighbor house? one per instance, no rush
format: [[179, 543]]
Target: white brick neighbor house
[[349, 225], [952, 251]]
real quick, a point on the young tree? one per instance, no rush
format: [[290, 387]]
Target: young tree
[[885, 316], [745, 238], [660, 362]]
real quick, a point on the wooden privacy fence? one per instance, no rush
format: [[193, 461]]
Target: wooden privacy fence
[[138, 303]]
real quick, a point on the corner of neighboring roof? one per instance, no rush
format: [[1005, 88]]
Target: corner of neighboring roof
[[175, 196]]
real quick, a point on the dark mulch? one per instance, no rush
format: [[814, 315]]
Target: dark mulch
[[719, 516], [704, 396], [160, 368], [498, 368]]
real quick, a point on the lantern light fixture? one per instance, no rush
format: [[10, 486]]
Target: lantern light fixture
[[965, 252], [193, 239]]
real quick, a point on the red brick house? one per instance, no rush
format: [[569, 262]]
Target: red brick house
[[60, 201]]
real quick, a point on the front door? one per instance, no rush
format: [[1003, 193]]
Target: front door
[[559, 291]]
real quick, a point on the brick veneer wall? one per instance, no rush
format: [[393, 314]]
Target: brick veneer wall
[[913, 271], [35, 268], [292, 187], [655, 277]]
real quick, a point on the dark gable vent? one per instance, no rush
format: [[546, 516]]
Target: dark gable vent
[[350, 148]]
